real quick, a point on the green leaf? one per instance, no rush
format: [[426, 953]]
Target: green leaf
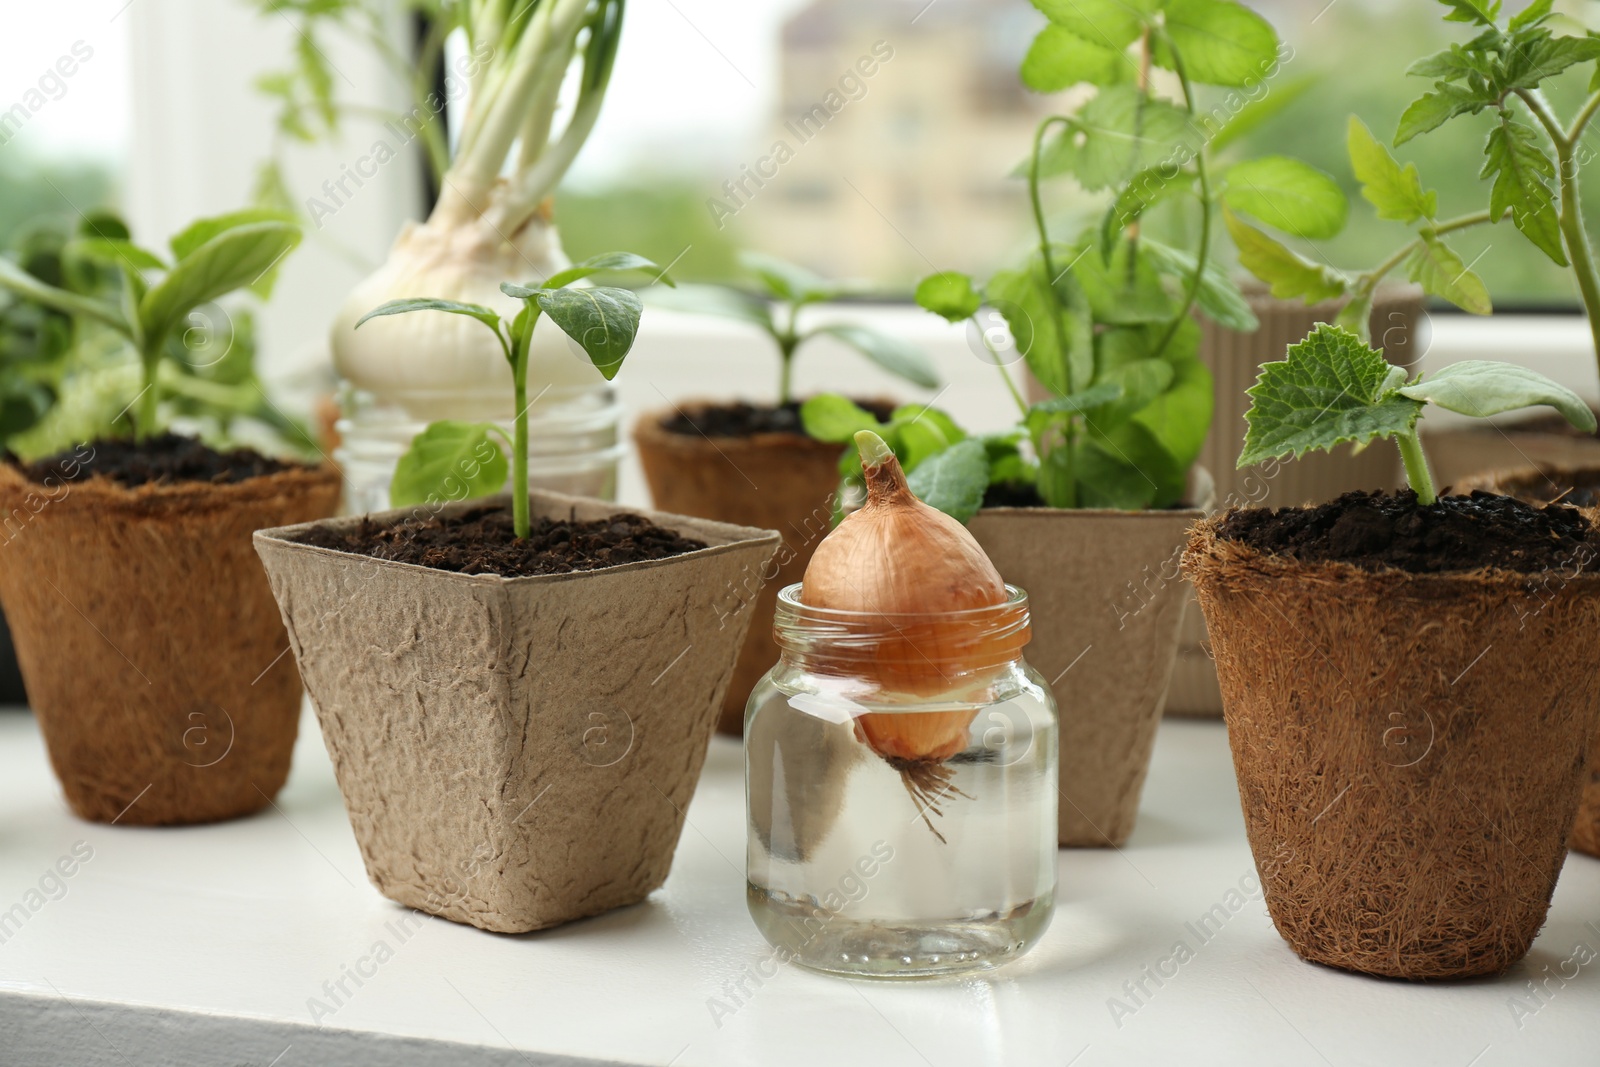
[[916, 442], [1180, 418], [1522, 175], [1453, 64], [1290, 275], [1091, 399], [900, 358], [835, 419], [449, 461], [1025, 300], [1482, 388], [1126, 289], [1432, 110], [1113, 24], [789, 281], [950, 295], [713, 300], [1218, 296], [104, 224], [1289, 195], [197, 233], [1330, 389], [1219, 42], [488, 316], [954, 480], [1059, 58], [1532, 15], [1118, 471], [1482, 12], [234, 259], [1142, 192], [1439, 270], [122, 254], [919, 413], [1118, 134], [603, 321], [1530, 61], [1396, 192], [609, 262]]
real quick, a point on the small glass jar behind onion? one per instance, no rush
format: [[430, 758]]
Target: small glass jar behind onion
[[901, 757]]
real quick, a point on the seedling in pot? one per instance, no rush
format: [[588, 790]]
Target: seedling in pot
[[210, 259], [1334, 388], [458, 460], [787, 291]]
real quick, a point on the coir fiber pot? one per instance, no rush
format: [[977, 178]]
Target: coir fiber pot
[[1107, 602], [774, 481], [1580, 486], [517, 752], [1235, 359], [1409, 749], [151, 647]]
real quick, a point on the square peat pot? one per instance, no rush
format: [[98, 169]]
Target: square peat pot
[[516, 753], [1107, 603]]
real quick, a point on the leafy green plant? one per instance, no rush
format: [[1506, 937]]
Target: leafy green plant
[[103, 282], [452, 459], [787, 290], [1334, 388], [1105, 321], [1531, 160]]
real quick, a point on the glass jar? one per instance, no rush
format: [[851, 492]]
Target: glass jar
[[868, 857], [574, 439]]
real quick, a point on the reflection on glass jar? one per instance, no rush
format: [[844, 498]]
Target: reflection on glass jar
[[892, 834]]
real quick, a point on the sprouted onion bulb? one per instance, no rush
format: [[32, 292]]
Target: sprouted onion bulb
[[908, 571]]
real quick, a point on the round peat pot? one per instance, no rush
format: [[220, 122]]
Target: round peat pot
[[776, 481], [516, 753], [1409, 748], [152, 650], [1580, 487]]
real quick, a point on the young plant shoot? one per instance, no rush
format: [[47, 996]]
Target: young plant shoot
[[210, 259], [1334, 388], [453, 460], [1533, 159], [787, 291]]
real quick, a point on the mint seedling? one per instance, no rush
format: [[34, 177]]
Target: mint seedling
[[1334, 388]]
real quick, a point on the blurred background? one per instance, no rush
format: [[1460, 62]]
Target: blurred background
[[729, 125]]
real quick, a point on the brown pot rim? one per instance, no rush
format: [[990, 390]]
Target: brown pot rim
[[1218, 559], [732, 538], [1200, 497], [648, 429], [99, 492]]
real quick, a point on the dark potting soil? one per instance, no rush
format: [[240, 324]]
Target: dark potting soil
[[1458, 533], [483, 541], [740, 419], [163, 459], [1012, 495]]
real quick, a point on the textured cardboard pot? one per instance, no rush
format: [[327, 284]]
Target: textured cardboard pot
[[781, 481], [1106, 602], [1408, 747], [1235, 360], [518, 752], [1540, 486], [151, 647]]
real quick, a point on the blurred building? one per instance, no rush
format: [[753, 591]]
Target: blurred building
[[899, 122]]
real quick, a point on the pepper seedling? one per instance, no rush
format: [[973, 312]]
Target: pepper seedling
[[211, 258], [457, 460], [789, 289], [1334, 388]]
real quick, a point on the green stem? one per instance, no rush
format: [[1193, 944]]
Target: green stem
[[1578, 124], [1416, 462], [1047, 259], [1577, 239], [520, 520], [1204, 251], [1011, 386], [788, 339], [1369, 280], [144, 423]]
